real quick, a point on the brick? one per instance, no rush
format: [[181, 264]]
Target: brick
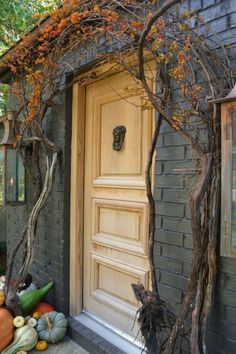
[[173, 195], [230, 314], [227, 281], [184, 6], [175, 307], [169, 293], [157, 194], [167, 181], [223, 327], [175, 280], [177, 225], [190, 183], [227, 265], [187, 212], [178, 253], [217, 11], [157, 249], [158, 222], [169, 264], [190, 154], [173, 139], [215, 342], [171, 238], [165, 128], [225, 297], [195, 5], [207, 3], [187, 267], [177, 167], [233, 20], [171, 153], [158, 167], [219, 311], [160, 140], [230, 346], [188, 241], [216, 26], [170, 209]]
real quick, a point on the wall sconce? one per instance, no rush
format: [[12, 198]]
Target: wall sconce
[[12, 171]]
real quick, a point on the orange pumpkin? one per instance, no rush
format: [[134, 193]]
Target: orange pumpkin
[[43, 308], [6, 328]]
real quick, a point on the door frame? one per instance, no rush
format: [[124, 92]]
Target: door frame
[[77, 200], [101, 71]]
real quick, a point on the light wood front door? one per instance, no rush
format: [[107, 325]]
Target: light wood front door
[[116, 208]]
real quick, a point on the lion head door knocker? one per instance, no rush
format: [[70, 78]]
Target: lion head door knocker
[[118, 137]]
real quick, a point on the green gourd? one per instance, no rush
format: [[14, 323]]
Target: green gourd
[[52, 327], [25, 338], [30, 299]]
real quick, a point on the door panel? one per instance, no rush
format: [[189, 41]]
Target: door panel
[[116, 209]]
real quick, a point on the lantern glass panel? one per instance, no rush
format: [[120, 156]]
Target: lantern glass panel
[[15, 177]]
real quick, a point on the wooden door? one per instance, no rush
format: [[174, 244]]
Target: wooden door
[[116, 209]]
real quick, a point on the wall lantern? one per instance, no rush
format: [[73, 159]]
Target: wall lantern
[[228, 174], [12, 172]]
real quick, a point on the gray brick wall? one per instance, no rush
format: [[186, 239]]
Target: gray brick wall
[[53, 232], [173, 226], [2, 224]]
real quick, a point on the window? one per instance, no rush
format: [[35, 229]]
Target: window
[[228, 180]]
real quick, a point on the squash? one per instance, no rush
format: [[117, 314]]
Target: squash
[[36, 315], [2, 297], [25, 338], [41, 345], [52, 327], [19, 321], [2, 282], [32, 322], [30, 299], [6, 328], [43, 308]]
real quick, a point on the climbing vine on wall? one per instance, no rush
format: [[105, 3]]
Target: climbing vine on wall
[[190, 73]]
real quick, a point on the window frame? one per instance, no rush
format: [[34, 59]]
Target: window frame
[[227, 110]]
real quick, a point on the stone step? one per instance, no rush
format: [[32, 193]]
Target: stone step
[[65, 346]]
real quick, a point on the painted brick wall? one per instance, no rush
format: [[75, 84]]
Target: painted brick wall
[[53, 232], [173, 227], [2, 224]]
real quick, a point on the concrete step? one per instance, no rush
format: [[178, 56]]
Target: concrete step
[[65, 346]]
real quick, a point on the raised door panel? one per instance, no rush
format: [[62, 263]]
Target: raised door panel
[[120, 224]]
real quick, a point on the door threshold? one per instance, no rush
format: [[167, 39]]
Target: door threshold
[[116, 337]]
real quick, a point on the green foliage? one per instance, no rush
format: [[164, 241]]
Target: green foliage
[[18, 17]]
